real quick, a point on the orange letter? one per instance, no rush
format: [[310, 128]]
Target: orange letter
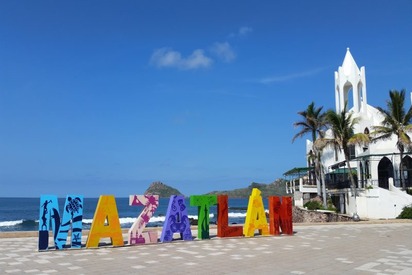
[[286, 219], [223, 229], [106, 210], [274, 215]]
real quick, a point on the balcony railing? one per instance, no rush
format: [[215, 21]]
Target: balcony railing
[[337, 185], [309, 182]]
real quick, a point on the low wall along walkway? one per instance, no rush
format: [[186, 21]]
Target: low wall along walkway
[[301, 215]]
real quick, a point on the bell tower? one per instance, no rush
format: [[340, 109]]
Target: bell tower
[[349, 78]]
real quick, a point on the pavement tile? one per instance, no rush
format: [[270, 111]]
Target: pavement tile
[[373, 248]]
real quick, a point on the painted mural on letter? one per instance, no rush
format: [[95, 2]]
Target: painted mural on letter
[[50, 219], [176, 220], [136, 234]]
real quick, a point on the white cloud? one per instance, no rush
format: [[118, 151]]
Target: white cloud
[[244, 31], [224, 51], [196, 60], [166, 57], [282, 78]]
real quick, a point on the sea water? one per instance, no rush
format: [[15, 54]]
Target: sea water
[[22, 214]]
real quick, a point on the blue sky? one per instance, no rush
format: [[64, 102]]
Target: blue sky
[[105, 97]]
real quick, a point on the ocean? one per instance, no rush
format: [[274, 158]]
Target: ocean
[[22, 214]]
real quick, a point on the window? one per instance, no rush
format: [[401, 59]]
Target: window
[[352, 153], [368, 176]]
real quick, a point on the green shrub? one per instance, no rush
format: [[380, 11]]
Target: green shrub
[[406, 213], [331, 207], [313, 205]]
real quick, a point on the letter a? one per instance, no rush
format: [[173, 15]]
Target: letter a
[[176, 220], [255, 215], [106, 210]]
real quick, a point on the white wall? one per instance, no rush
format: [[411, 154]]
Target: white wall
[[379, 203]]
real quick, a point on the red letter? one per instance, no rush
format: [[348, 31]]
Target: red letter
[[223, 229], [280, 215]]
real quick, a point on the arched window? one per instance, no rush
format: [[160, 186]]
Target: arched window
[[385, 171], [407, 170]]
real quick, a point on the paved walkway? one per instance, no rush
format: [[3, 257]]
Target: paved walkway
[[353, 248]]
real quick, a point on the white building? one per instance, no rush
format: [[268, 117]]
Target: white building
[[376, 167]]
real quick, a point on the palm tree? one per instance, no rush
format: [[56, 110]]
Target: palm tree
[[342, 126], [396, 122], [313, 123]]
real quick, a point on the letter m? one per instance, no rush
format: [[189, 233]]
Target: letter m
[[50, 219]]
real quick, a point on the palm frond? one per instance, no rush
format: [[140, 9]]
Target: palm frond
[[322, 143], [360, 139], [408, 128], [312, 122]]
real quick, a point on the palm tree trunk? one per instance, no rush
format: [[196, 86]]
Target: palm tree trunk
[[317, 171], [353, 186], [318, 180], [322, 187], [325, 203], [352, 179], [310, 172]]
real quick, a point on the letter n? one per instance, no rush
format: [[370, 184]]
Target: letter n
[[105, 223], [286, 218], [280, 215], [274, 215]]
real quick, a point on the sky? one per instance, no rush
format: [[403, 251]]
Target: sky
[[106, 97]]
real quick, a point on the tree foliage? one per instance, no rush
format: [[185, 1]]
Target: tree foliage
[[342, 126], [312, 123], [396, 122]]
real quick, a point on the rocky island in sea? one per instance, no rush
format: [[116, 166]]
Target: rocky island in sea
[[161, 189], [276, 188]]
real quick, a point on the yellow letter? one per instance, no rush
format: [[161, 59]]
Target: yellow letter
[[106, 210], [255, 215]]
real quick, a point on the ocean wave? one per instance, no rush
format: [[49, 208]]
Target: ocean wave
[[10, 223], [19, 223], [87, 221], [237, 215], [123, 221], [155, 219], [128, 220]]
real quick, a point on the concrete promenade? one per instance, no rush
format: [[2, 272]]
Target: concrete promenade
[[346, 248]]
